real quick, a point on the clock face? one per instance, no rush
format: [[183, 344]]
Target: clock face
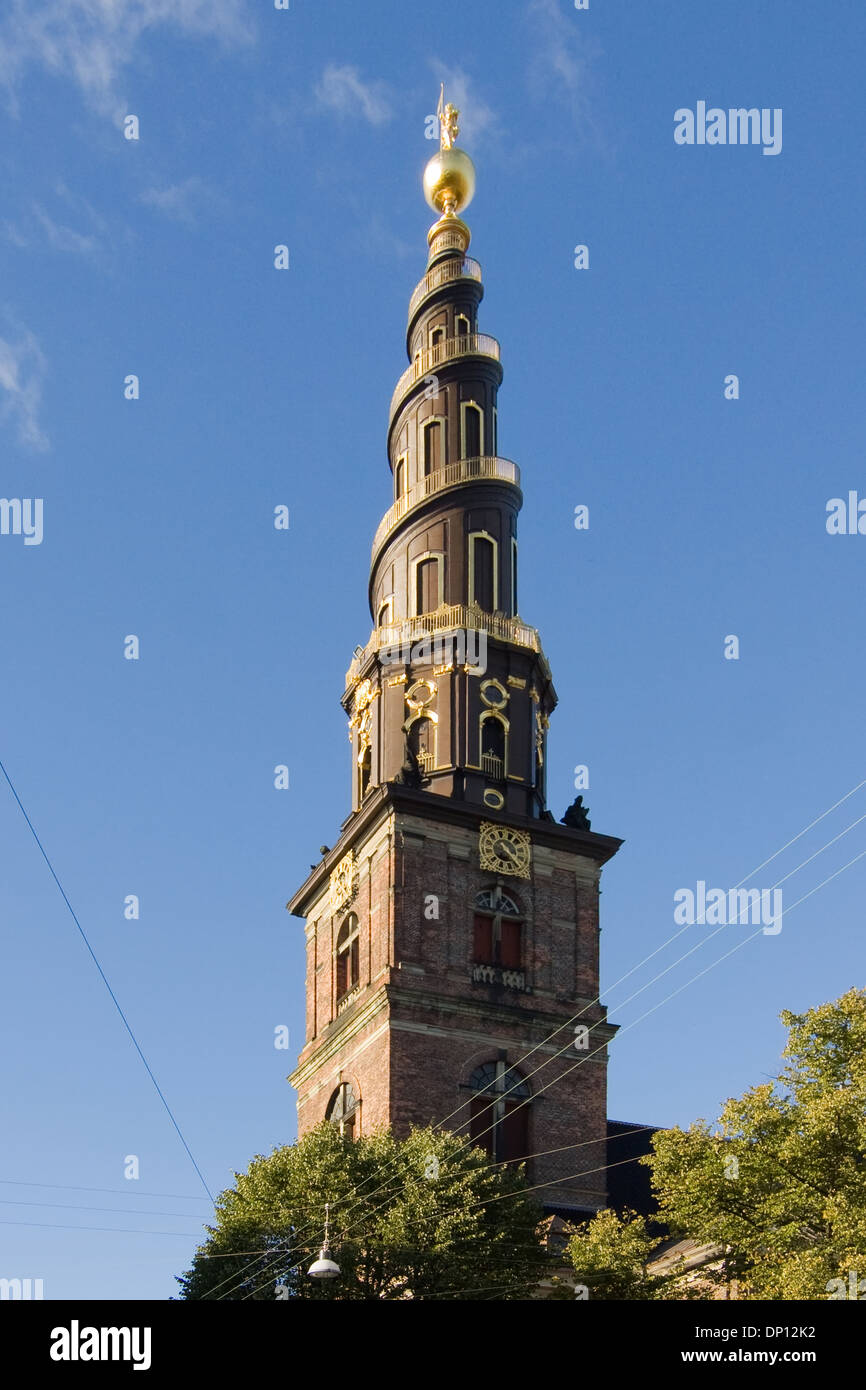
[[505, 850]]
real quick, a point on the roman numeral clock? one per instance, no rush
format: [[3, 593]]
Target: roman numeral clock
[[504, 850]]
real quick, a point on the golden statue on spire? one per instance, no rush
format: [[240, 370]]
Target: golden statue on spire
[[448, 127], [449, 179]]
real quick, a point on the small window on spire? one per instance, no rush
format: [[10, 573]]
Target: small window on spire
[[473, 430], [494, 747], [433, 451], [427, 577]]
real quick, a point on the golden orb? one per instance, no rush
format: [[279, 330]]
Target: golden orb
[[449, 181]]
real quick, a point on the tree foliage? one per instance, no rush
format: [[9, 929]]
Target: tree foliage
[[778, 1185], [424, 1217], [611, 1257]]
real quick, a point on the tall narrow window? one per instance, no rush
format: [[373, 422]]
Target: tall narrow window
[[499, 1112], [473, 430], [513, 575], [365, 768], [463, 325], [437, 335], [495, 430], [482, 572], [348, 965], [433, 451], [493, 747], [427, 584], [399, 477]]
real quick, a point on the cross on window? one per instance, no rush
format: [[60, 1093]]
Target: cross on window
[[343, 1110], [498, 931], [499, 1112]]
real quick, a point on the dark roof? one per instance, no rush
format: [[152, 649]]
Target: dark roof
[[628, 1181]]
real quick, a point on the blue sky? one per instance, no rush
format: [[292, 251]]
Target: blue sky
[[259, 388]]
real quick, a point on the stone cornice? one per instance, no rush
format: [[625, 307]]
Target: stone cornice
[[390, 797]]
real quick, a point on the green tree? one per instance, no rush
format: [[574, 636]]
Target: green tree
[[780, 1183], [423, 1217], [611, 1257]]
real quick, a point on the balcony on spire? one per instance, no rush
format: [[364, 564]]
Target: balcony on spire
[[495, 470], [449, 350], [457, 268]]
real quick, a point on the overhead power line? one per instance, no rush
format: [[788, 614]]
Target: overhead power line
[[104, 978]]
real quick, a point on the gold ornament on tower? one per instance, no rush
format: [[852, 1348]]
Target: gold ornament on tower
[[449, 178]]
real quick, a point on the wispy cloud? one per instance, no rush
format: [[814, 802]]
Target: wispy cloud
[[39, 227], [179, 201], [560, 58], [94, 41], [63, 238], [479, 123], [22, 369], [342, 89]]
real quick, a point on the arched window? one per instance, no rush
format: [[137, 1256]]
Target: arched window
[[462, 324], [494, 747], [433, 450], [365, 769], [422, 741], [428, 584], [499, 1112], [344, 1110], [385, 612], [472, 431], [497, 931], [483, 576], [348, 964], [437, 335], [399, 477]]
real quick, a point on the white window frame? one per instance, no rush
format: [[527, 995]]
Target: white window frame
[[471, 405]]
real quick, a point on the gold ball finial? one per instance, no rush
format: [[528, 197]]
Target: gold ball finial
[[449, 178], [449, 182]]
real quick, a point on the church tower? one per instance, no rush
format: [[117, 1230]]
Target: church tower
[[452, 931]]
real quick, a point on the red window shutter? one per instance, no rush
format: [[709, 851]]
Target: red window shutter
[[483, 946], [510, 946], [481, 1115], [515, 1131]]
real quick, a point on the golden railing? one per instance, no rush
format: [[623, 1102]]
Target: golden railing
[[462, 268], [453, 617], [464, 345], [452, 475], [449, 241]]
